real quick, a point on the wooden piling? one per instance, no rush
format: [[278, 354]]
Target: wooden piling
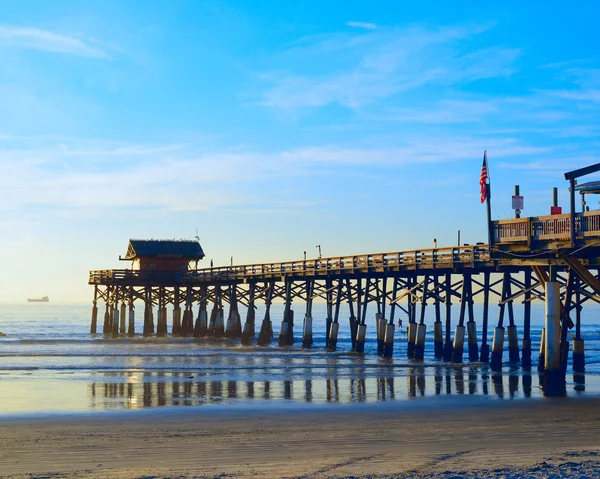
[[352, 317], [307, 336], [419, 348], [578, 343], [161, 327], [176, 325], [459, 334], [513, 339], [219, 319], [334, 328], [471, 326], [361, 330], [249, 328], [388, 349], [201, 326], [286, 334], [553, 379], [438, 334], [264, 337], [411, 335], [131, 323], [498, 345], [234, 322], [122, 329], [115, 313], [448, 342], [526, 342], [94, 323], [106, 326], [485, 348]]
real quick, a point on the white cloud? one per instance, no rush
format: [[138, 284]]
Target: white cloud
[[363, 69], [365, 25], [43, 40], [89, 177]]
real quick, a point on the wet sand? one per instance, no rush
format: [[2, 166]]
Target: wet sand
[[445, 437]]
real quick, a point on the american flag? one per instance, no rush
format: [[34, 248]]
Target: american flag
[[483, 178]]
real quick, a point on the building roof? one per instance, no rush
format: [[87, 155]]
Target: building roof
[[589, 187], [187, 249]]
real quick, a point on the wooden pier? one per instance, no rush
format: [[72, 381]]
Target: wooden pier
[[549, 258]]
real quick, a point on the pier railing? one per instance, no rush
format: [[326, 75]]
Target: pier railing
[[546, 228], [425, 259]]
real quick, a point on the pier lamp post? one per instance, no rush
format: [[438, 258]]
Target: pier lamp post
[[319, 246]]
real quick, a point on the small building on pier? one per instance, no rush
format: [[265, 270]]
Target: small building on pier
[[163, 255]]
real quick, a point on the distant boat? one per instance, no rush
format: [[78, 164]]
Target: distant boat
[[43, 299]]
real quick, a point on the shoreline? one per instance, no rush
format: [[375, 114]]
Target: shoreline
[[421, 437]]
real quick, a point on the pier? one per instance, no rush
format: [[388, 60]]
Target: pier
[[554, 259]]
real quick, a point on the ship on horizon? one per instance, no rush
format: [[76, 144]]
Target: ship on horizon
[[43, 299]]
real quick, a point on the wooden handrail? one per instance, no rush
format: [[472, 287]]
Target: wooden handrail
[[424, 258], [545, 228]]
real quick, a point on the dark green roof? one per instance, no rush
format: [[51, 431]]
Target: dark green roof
[[164, 249]]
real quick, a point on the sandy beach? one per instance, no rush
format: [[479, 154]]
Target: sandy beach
[[449, 437]]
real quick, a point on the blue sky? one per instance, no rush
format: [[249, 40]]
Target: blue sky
[[271, 127]]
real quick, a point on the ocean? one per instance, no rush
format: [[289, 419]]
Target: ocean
[[50, 364]]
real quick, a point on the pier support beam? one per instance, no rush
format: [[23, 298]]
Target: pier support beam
[[286, 334], [266, 329], [122, 329], [448, 341], [459, 344], [106, 328], [411, 333], [361, 330], [176, 328], [459, 335], [471, 327], [526, 343], [335, 325], [216, 327], [497, 348], [352, 319], [131, 325], [438, 334], [201, 326], [498, 345], [94, 323], [249, 329], [484, 355], [513, 338], [388, 346], [513, 344], [115, 313], [148, 318], [161, 326], [307, 335], [187, 323], [419, 348], [542, 355], [234, 322], [420, 341], [578, 344], [553, 380]]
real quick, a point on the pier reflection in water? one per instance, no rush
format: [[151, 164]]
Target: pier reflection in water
[[136, 390]]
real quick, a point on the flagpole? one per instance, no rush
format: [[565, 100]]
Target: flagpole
[[489, 205]]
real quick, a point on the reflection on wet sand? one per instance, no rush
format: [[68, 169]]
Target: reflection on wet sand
[[134, 390]]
